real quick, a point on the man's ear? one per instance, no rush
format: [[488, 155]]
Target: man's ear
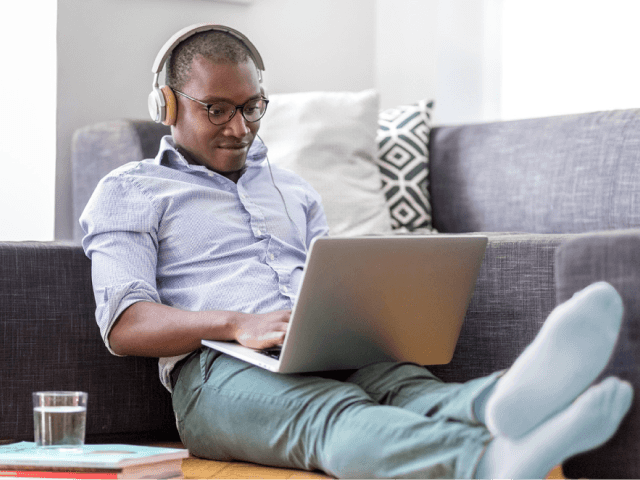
[[263, 91]]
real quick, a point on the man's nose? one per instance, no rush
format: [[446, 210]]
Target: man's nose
[[238, 125]]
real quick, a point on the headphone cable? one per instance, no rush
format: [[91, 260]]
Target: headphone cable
[[284, 203]]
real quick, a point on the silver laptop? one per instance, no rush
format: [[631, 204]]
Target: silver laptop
[[370, 299]]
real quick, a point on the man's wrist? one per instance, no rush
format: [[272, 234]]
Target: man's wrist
[[227, 325]]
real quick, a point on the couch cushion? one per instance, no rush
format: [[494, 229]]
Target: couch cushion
[[328, 138], [50, 341], [567, 174], [403, 154], [514, 294], [613, 257]]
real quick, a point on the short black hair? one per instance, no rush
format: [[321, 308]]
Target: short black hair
[[217, 46]]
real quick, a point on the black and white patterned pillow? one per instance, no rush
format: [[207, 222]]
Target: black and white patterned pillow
[[403, 159]]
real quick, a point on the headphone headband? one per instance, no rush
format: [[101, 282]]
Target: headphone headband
[[186, 32]]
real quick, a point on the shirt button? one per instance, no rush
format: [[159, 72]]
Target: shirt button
[[210, 174], [285, 289], [272, 256], [259, 232]]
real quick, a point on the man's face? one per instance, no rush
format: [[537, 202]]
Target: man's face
[[221, 148]]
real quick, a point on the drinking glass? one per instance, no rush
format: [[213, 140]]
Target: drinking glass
[[59, 419]]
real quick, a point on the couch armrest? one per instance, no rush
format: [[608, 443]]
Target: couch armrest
[[613, 257]]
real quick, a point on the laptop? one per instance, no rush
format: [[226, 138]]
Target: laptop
[[369, 299]]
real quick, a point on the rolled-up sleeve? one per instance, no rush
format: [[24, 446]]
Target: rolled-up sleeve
[[121, 239]]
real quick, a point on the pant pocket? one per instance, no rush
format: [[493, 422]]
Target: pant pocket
[[207, 357]]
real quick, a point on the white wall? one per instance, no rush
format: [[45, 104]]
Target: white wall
[[570, 56], [106, 49], [445, 50], [28, 123], [406, 46], [468, 63]]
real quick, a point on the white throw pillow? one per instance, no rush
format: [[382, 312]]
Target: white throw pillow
[[329, 139]]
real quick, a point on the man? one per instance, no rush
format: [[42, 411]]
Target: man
[[205, 241]]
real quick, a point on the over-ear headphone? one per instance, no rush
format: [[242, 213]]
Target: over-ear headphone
[[162, 101]]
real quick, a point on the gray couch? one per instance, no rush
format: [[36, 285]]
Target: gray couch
[[562, 195]]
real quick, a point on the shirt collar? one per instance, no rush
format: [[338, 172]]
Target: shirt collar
[[168, 155]]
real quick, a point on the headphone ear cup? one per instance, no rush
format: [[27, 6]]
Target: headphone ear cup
[[171, 105], [156, 105]]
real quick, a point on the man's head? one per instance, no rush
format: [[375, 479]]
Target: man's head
[[213, 66], [217, 46]]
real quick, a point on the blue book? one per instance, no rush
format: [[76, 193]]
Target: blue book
[[123, 461]]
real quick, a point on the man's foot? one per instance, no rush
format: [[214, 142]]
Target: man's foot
[[584, 425], [570, 351]]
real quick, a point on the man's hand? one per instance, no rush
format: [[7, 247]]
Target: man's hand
[[262, 330]]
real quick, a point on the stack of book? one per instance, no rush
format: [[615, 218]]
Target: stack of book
[[26, 460]]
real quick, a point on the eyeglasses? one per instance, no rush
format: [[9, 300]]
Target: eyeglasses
[[222, 112]]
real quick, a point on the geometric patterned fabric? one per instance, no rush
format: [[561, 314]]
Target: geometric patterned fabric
[[403, 159]]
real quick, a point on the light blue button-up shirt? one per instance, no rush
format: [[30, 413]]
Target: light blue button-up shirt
[[162, 230]]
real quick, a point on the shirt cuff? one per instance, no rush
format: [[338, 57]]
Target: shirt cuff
[[115, 300]]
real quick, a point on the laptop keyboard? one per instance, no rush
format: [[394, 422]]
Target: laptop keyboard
[[273, 352]]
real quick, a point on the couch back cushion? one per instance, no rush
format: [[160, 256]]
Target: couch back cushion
[[565, 174], [98, 149]]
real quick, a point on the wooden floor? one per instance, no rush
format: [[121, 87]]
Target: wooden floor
[[198, 468], [193, 467]]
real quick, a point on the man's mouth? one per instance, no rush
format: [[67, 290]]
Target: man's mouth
[[234, 146]]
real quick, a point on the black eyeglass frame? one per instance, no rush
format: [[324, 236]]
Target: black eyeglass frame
[[235, 108]]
